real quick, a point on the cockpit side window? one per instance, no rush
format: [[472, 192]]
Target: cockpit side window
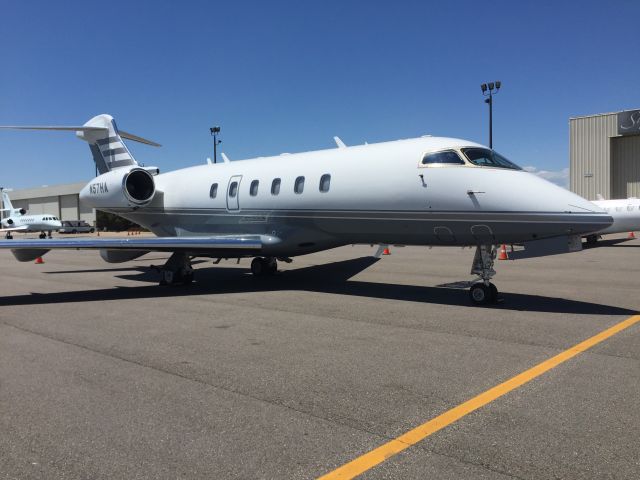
[[447, 157], [483, 157]]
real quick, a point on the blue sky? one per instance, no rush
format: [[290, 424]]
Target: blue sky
[[287, 76]]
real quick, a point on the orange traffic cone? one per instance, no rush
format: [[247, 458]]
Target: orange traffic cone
[[386, 251], [631, 236], [503, 253], [39, 260]]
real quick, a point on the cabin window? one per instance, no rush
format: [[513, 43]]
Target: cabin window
[[213, 191], [449, 157], [325, 182], [298, 187], [253, 189], [233, 189], [275, 186], [483, 157]]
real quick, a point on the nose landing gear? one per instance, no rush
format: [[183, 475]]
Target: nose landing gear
[[484, 292]]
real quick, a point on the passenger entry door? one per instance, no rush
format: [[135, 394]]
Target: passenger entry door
[[233, 192]]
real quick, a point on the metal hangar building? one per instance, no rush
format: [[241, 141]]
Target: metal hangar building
[[605, 155], [60, 200]]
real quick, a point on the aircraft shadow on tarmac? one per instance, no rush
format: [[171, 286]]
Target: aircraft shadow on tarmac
[[331, 278], [614, 242]]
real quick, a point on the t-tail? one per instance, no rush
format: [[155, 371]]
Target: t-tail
[[7, 209], [105, 141]]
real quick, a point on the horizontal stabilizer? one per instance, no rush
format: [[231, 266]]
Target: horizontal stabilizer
[[83, 128], [44, 127], [135, 138]]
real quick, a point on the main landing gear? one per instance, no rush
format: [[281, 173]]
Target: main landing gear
[[484, 292], [177, 270], [261, 267], [8, 236], [44, 235]]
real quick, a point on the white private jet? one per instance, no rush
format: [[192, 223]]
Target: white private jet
[[18, 220], [420, 191], [625, 213]]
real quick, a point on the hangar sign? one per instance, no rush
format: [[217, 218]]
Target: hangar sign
[[629, 122]]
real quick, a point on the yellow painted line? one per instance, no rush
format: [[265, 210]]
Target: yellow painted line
[[406, 440]]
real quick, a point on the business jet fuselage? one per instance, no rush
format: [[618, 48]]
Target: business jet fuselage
[[625, 214], [378, 193], [422, 191]]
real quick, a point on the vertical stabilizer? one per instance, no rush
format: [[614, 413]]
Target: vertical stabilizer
[[6, 203], [107, 147]]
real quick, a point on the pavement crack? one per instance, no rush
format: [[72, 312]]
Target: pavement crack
[[468, 462]]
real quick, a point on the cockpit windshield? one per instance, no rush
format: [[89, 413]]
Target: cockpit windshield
[[483, 157]]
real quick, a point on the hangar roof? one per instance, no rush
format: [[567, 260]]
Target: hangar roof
[[46, 191]]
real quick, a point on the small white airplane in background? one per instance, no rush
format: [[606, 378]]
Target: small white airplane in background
[[420, 191], [18, 220], [625, 213]]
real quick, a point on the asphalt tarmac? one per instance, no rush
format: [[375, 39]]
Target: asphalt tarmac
[[105, 374]]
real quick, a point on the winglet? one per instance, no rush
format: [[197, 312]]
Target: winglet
[[224, 157], [209, 162], [339, 142]]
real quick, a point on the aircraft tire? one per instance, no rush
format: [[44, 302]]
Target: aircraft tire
[[493, 291], [258, 267], [480, 294], [272, 266]]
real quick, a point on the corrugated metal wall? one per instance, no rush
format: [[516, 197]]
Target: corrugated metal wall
[[625, 167], [69, 207], [590, 154]]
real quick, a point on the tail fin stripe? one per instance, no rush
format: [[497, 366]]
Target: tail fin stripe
[[120, 163], [103, 141], [114, 151]]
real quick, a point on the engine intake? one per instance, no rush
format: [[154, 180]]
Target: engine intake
[[139, 186]]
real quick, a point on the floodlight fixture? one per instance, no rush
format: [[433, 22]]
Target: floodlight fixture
[[214, 133], [489, 90]]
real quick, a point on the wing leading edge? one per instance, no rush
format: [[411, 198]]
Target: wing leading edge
[[28, 250]]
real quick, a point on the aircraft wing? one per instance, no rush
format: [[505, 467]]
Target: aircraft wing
[[222, 245], [21, 228]]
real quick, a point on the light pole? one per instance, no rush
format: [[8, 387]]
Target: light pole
[[490, 90], [214, 132]]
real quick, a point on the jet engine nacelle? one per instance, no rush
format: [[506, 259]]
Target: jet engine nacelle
[[22, 211], [132, 188]]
